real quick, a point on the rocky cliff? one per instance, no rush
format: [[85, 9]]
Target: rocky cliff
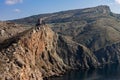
[[75, 55], [31, 53], [39, 52], [109, 54]]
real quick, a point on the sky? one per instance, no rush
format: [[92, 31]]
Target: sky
[[15, 9]]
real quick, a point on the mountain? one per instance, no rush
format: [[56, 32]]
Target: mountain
[[95, 27], [79, 39], [67, 16]]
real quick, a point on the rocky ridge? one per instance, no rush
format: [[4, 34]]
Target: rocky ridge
[[87, 14], [39, 53]]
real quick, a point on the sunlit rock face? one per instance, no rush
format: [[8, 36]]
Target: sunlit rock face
[[39, 52], [31, 55]]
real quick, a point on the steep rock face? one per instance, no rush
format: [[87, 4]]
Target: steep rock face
[[17, 63], [39, 52], [31, 56], [42, 44], [75, 55], [109, 54]]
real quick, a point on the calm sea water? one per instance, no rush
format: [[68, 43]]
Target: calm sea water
[[108, 72]]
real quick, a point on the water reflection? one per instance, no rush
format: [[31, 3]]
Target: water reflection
[[107, 72]]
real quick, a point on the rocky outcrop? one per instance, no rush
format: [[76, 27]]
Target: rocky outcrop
[[9, 29], [75, 55], [39, 52], [109, 54], [33, 52], [41, 43]]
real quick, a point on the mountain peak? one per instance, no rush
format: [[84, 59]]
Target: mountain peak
[[103, 8]]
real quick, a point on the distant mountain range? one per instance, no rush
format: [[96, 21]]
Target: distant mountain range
[[87, 14]]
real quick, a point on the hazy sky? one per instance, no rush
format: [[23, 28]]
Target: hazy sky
[[13, 9]]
